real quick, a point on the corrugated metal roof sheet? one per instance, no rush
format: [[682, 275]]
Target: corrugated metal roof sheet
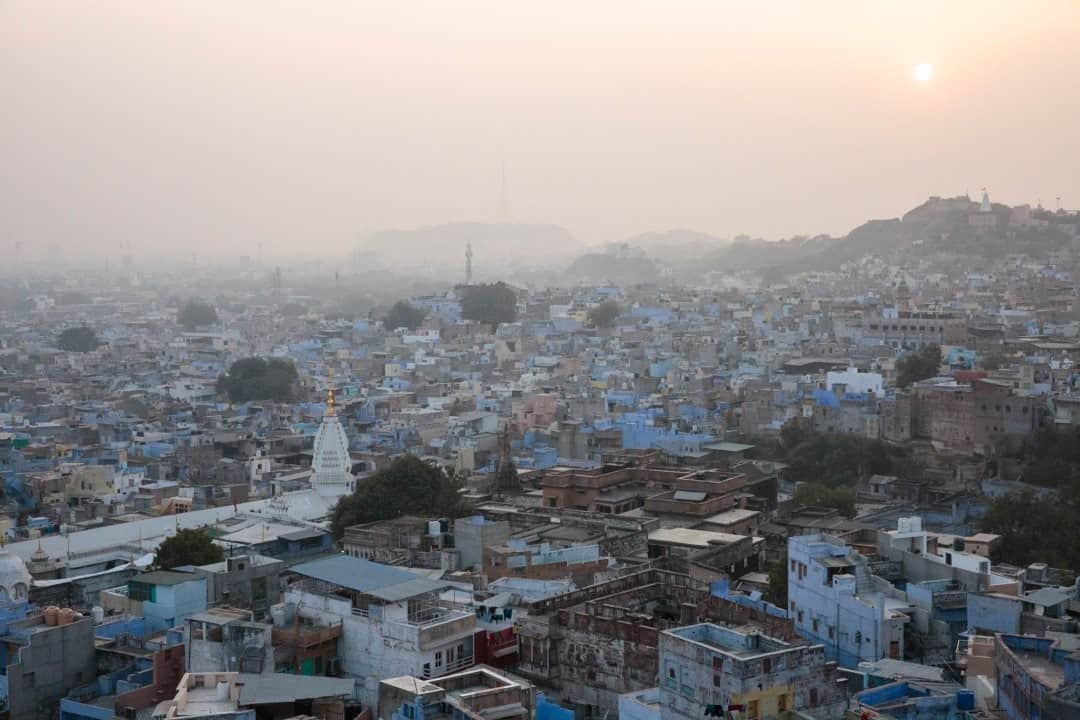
[[274, 688], [381, 581]]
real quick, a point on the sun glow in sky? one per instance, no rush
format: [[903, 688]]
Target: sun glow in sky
[[298, 125]]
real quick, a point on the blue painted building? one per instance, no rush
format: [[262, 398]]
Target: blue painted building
[[1036, 678], [910, 701], [834, 600], [167, 597]]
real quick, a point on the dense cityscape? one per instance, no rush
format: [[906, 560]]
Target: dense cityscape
[[539, 360], [843, 482]]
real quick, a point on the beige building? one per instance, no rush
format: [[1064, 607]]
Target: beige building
[[89, 481]]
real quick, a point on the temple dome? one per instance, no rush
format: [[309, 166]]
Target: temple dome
[[14, 578]]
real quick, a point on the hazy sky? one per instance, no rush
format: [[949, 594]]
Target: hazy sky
[[202, 123]]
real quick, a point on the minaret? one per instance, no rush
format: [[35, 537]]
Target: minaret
[[468, 263]]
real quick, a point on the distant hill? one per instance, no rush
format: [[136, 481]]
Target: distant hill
[[619, 264], [939, 227], [677, 241], [441, 248]]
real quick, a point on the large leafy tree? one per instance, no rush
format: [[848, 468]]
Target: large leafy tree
[[1043, 525], [836, 460], [403, 314], [821, 495], [506, 476], [918, 365], [491, 304], [605, 314], [407, 486], [78, 339], [1036, 528], [187, 547], [196, 313], [254, 379], [1052, 458]]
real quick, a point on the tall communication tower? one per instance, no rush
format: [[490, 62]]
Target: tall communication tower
[[468, 263]]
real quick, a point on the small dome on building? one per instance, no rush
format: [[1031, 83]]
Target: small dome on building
[[14, 578]]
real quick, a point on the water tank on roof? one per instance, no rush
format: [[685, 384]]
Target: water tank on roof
[[98, 614]]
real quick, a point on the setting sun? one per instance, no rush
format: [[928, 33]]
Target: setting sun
[[924, 72]]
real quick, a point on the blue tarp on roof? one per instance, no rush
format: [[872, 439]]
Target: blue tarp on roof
[[824, 398]]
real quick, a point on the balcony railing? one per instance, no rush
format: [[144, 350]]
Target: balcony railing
[[950, 599], [306, 636], [453, 625]]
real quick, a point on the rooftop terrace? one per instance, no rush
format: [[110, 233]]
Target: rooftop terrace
[[728, 641]]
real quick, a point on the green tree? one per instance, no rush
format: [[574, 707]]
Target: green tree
[[918, 365], [792, 434], [820, 495], [1036, 528], [837, 461], [777, 593], [254, 378], [196, 313], [506, 476], [187, 547], [605, 314], [403, 314], [1052, 458], [1042, 525], [78, 339], [407, 486], [490, 304]]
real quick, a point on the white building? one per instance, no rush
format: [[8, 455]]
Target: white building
[[854, 381], [393, 621]]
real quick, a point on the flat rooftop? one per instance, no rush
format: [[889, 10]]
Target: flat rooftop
[[734, 515], [254, 560], [693, 538], [384, 582], [728, 641], [203, 701], [411, 684], [1047, 673]]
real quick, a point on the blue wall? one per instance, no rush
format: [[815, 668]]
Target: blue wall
[[547, 710], [72, 710]]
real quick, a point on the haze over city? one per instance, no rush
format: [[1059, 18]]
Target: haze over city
[[521, 360], [214, 126]]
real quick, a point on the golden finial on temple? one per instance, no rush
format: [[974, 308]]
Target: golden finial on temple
[[330, 393]]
